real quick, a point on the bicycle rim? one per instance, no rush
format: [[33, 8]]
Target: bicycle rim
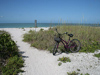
[[75, 45]]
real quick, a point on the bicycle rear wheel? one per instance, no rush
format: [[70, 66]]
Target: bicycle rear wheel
[[75, 45], [55, 48]]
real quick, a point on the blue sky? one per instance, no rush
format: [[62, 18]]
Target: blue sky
[[50, 11]]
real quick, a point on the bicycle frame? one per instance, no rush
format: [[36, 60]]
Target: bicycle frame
[[66, 44]]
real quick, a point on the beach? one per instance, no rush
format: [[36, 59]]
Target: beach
[[42, 62]]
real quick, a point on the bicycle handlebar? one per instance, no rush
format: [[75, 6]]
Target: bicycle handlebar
[[59, 33]]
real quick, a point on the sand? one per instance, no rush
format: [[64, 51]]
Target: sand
[[40, 62]]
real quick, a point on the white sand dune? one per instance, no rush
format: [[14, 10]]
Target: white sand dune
[[40, 62]]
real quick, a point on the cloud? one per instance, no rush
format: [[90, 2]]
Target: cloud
[[1, 16]]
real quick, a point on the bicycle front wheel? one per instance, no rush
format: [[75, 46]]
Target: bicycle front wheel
[[74, 45], [55, 48]]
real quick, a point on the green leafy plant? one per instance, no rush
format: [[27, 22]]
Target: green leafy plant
[[87, 74], [75, 73], [78, 69], [64, 59], [91, 47], [59, 64], [13, 66], [72, 73], [8, 47], [10, 60], [81, 74], [41, 29], [97, 55]]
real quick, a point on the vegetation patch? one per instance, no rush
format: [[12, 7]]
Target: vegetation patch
[[13, 66], [72, 73], [41, 40], [10, 60], [92, 47], [59, 64], [76, 73], [97, 55], [64, 59], [88, 36]]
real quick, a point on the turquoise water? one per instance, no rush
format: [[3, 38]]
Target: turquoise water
[[27, 25]]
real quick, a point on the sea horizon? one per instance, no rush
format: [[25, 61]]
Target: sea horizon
[[28, 25]]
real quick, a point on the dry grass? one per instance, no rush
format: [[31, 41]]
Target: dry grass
[[45, 39]]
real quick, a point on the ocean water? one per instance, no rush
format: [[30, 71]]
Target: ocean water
[[28, 25]]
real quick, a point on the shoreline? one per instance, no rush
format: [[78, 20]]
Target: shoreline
[[25, 29], [39, 62], [29, 25]]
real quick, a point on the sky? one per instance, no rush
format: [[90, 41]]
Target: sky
[[50, 11]]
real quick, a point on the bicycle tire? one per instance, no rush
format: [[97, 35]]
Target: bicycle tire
[[55, 49], [74, 47]]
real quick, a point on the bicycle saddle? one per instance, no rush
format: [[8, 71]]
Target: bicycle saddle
[[71, 35]]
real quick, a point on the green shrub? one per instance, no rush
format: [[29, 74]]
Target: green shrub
[[8, 47], [41, 29], [78, 69], [97, 55], [87, 74], [10, 60], [92, 47], [59, 64], [73, 73], [64, 59], [13, 66]]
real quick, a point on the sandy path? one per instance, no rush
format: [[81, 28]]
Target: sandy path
[[39, 62]]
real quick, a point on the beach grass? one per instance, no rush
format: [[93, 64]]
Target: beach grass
[[44, 39]]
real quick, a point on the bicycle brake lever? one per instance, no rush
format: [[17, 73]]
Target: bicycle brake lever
[[65, 32]]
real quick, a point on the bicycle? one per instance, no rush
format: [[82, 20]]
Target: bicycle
[[73, 45]]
